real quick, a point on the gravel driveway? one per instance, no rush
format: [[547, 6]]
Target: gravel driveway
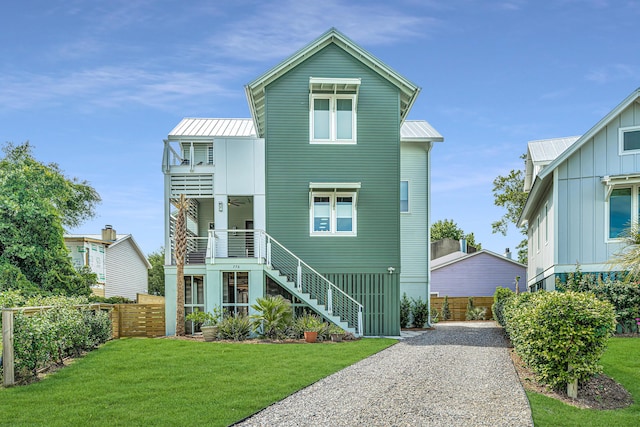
[[459, 374]]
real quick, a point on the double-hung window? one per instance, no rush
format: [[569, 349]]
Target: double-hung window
[[621, 215], [333, 110], [629, 140]]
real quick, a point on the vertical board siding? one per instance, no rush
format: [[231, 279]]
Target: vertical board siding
[[379, 294], [127, 274], [581, 194]]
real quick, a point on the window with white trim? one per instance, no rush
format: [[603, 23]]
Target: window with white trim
[[622, 210], [333, 110], [404, 196], [629, 139], [333, 213]]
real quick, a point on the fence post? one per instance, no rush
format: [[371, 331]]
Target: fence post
[[7, 348], [360, 326]]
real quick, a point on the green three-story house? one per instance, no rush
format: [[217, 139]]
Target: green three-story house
[[322, 196]]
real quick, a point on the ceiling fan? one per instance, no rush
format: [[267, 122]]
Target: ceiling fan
[[235, 202]]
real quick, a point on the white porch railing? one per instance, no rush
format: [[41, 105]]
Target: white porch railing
[[259, 244], [193, 154]]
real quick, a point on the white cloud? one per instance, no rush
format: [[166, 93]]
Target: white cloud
[[275, 31], [613, 72]]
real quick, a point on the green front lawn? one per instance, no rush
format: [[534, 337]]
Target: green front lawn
[[173, 382], [621, 362]]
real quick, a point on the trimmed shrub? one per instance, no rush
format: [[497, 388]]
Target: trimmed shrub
[[560, 336], [420, 311], [624, 295], [405, 311], [500, 297]]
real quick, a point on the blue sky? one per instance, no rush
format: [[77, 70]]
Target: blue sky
[[96, 86]]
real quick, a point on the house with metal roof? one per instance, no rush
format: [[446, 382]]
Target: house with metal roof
[[477, 274], [120, 266], [584, 192], [322, 196]]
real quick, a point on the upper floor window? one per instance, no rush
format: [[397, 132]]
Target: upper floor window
[[629, 140], [404, 196], [333, 110], [333, 214]]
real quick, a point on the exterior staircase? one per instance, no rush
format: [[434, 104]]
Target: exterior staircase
[[293, 274]]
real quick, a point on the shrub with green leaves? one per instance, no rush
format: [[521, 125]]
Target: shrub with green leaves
[[560, 336], [500, 297], [405, 311], [236, 327], [623, 294], [420, 312], [273, 317], [444, 310]]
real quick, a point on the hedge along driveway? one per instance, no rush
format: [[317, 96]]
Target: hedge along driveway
[[175, 382]]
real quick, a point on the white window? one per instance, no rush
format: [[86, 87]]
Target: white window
[[629, 140], [620, 210], [333, 118], [193, 299], [404, 196], [333, 110], [546, 223], [333, 214]]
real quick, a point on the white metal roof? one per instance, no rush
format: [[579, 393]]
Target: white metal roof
[[546, 150], [419, 130], [411, 130], [191, 127]]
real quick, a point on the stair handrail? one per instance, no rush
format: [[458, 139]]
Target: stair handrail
[[331, 284]]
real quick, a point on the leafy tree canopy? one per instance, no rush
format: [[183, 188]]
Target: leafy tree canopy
[[36, 200], [508, 193], [156, 274], [447, 228]]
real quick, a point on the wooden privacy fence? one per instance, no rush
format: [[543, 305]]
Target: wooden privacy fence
[[127, 320], [138, 320], [458, 306]]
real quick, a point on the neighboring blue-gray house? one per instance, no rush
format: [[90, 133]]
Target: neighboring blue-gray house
[[583, 193], [460, 274]]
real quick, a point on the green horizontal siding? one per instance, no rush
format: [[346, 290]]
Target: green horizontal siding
[[374, 161]]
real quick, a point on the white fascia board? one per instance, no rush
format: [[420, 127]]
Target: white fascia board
[[334, 185]]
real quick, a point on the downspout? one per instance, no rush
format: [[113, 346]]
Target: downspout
[[428, 150]]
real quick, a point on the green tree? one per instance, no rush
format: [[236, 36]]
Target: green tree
[[156, 274], [628, 258], [447, 228], [508, 193], [36, 201]]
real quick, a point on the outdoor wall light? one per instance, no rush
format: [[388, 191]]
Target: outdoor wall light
[[391, 270], [220, 206]]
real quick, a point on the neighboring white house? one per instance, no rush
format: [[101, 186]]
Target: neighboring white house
[[118, 262], [583, 193], [476, 274]]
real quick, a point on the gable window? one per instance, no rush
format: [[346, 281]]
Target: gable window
[[629, 140], [404, 196], [332, 104]]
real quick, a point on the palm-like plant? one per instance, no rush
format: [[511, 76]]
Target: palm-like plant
[[180, 252], [274, 314], [628, 258]]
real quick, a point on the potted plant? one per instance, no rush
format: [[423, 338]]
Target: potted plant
[[310, 325], [208, 322], [336, 333]]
